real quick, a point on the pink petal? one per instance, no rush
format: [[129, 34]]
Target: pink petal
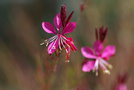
[[108, 51], [57, 21], [98, 46], [53, 46], [70, 42], [48, 27], [88, 66], [87, 52], [69, 27], [122, 87]]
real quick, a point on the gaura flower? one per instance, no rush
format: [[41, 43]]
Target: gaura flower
[[121, 86], [121, 82], [59, 40], [101, 34], [82, 7], [97, 57]]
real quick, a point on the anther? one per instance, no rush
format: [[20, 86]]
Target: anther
[[42, 43], [110, 66], [107, 72], [67, 61]]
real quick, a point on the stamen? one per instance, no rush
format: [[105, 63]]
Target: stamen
[[51, 39], [65, 42], [107, 72], [48, 41], [42, 43], [96, 73], [106, 63], [60, 44], [67, 61], [103, 66], [110, 66], [96, 65], [68, 53], [47, 44], [65, 38]]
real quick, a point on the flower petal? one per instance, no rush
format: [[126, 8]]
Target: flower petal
[[88, 66], [98, 46], [57, 21], [53, 46], [48, 27], [70, 42], [69, 27], [122, 86], [108, 52], [87, 52]]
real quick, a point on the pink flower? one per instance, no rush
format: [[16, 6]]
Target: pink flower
[[82, 7], [59, 40], [121, 83], [97, 57]]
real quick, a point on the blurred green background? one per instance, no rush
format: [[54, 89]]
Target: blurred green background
[[25, 65]]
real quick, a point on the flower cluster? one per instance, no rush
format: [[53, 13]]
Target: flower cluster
[[95, 57], [98, 55], [63, 27]]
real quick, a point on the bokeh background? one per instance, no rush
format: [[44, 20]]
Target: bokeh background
[[25, 65]]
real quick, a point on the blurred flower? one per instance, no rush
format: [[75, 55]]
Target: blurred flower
[[121, 83], [59, 40], [101, 34], [82, 7], [98, 55]]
